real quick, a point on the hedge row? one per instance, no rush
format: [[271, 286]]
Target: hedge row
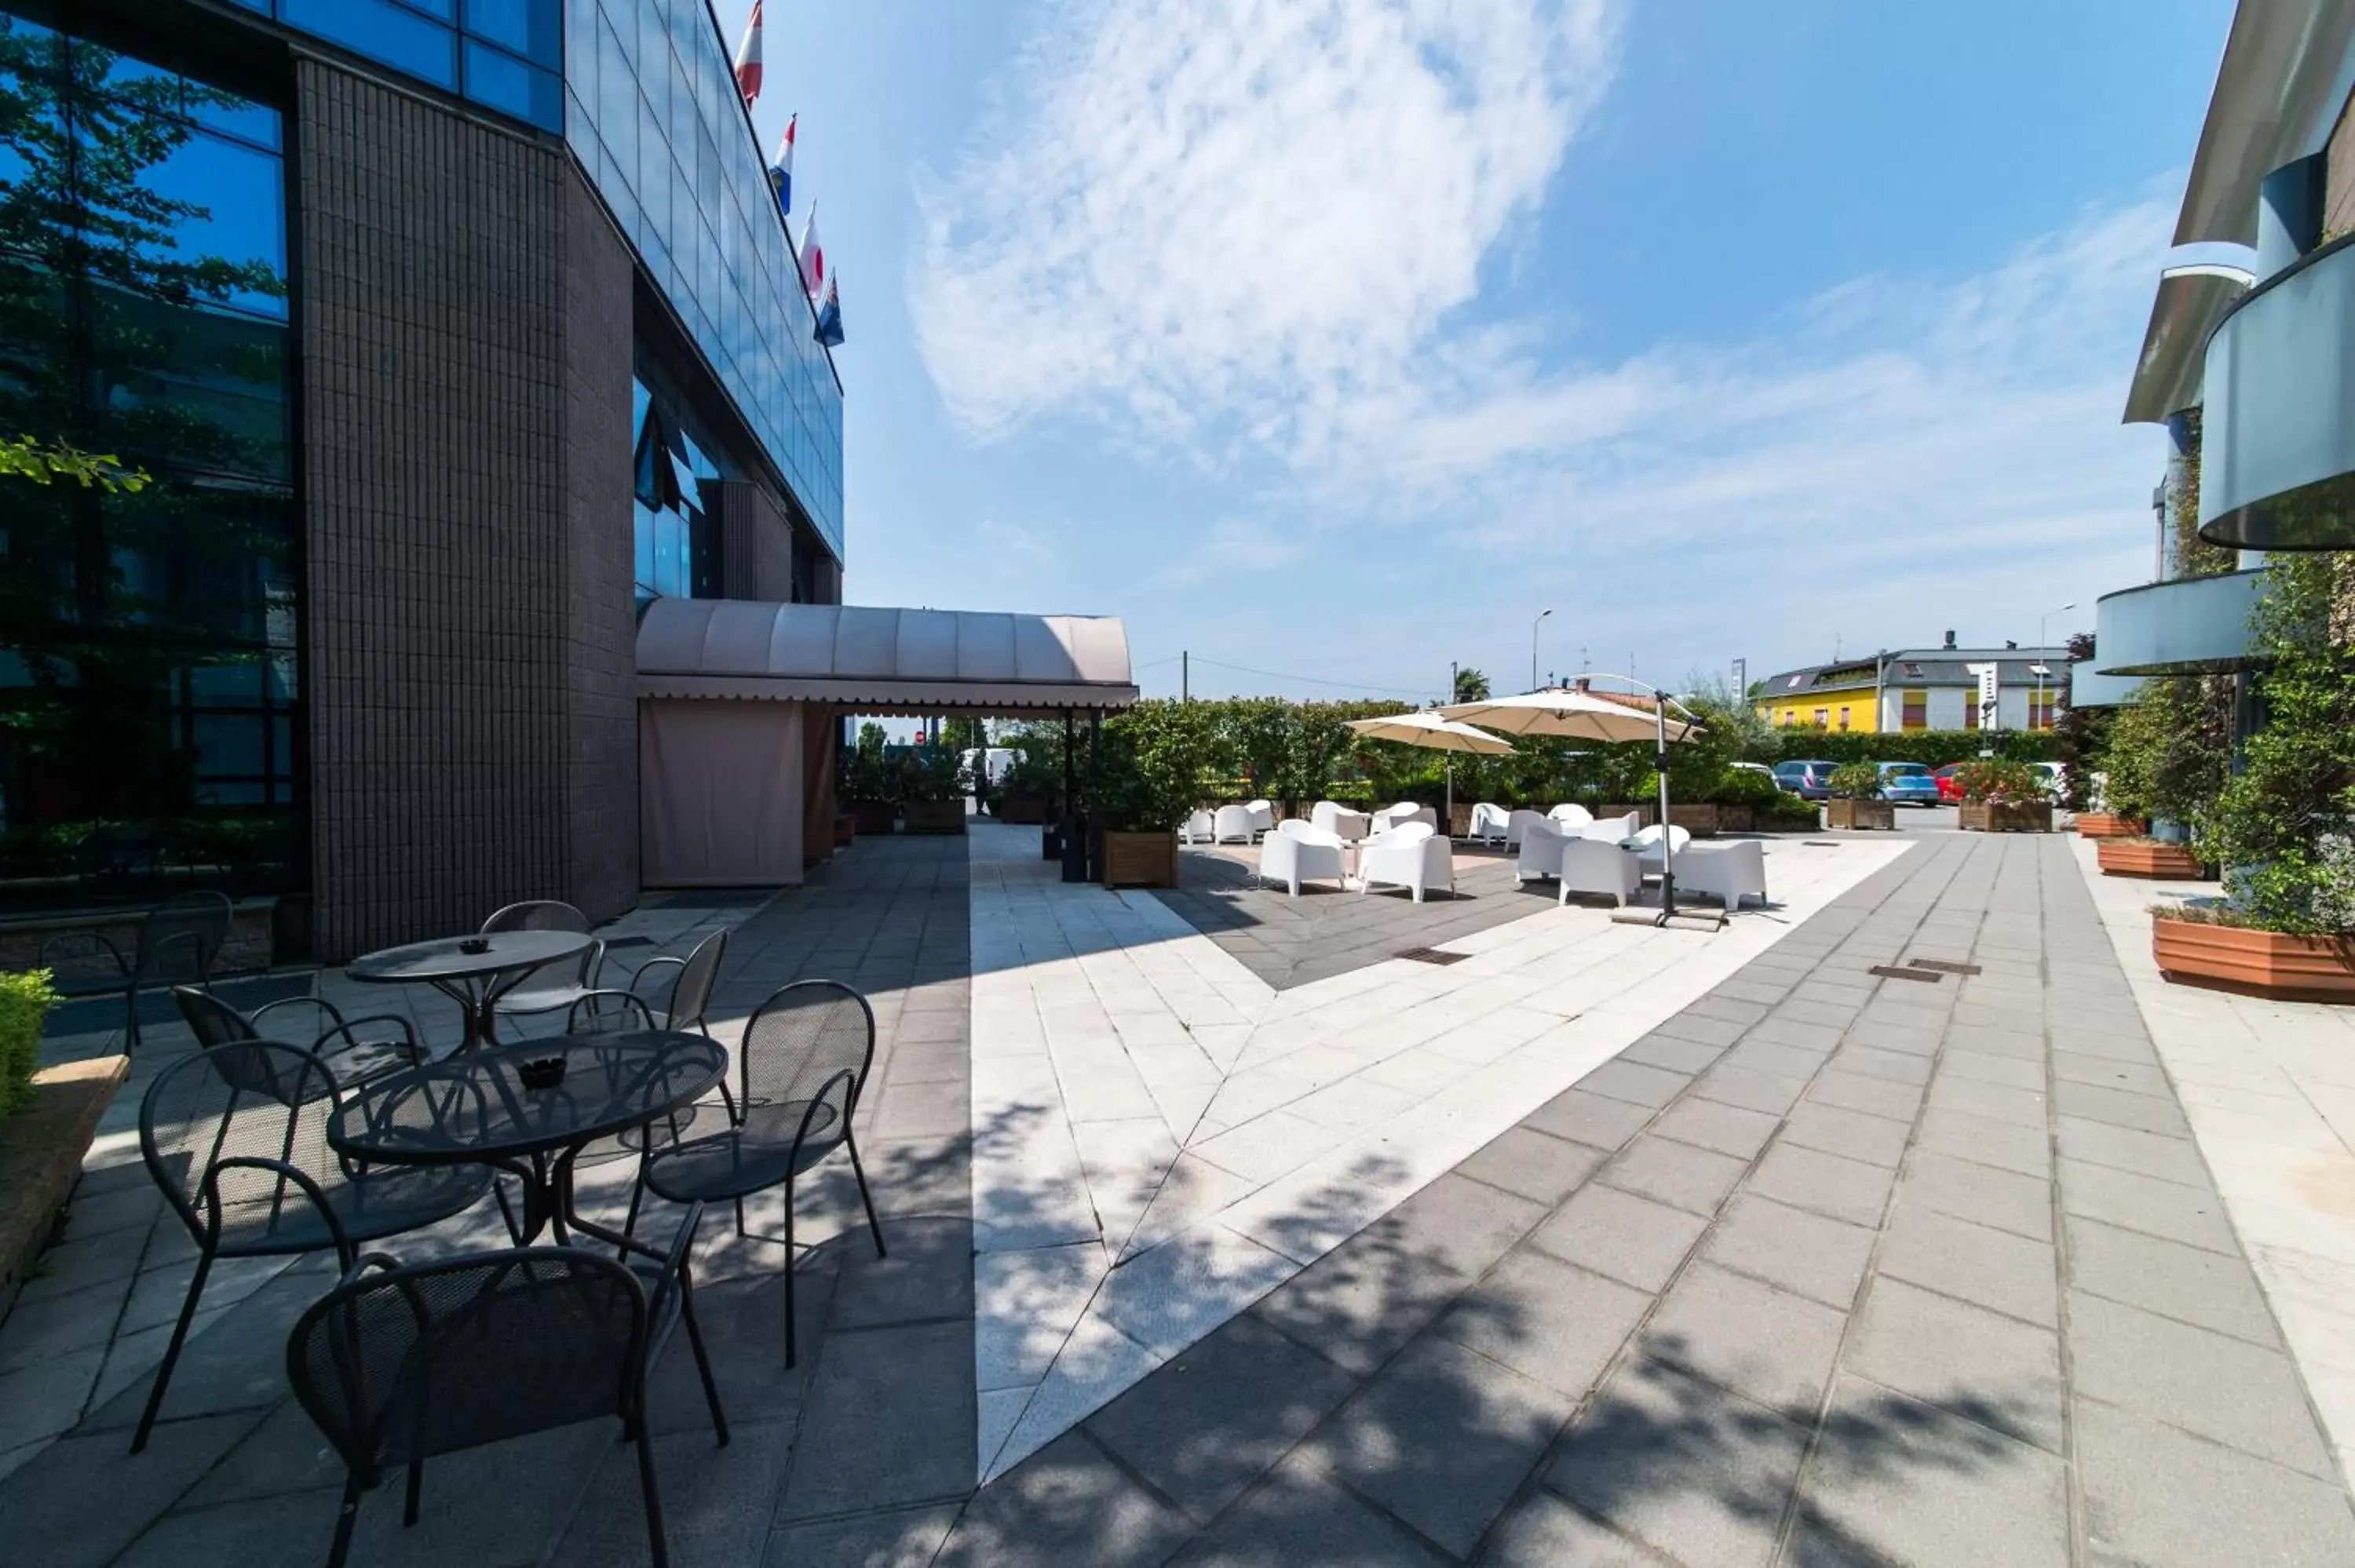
[[1933, 747]]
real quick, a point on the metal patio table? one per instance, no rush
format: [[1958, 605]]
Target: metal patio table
[[474, 981], [496, 1107]]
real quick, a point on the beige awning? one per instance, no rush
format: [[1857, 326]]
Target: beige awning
[[876, 661]]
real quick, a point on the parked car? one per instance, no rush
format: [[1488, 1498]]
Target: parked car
[[1809, 780], [1907, 784], [2054, 777], [1950, 784]]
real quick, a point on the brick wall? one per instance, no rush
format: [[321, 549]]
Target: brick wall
[[466, 521]]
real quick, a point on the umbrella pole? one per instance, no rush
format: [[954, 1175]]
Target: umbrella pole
[[1667, 845], [1447, 824]]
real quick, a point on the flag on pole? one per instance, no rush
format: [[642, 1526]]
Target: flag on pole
[[780, 169], [813, 259], [829, 317], [748, 59]]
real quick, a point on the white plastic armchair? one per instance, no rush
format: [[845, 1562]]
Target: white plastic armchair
[[1598, 865], [1540, 849], [1613, 829], [1412, 855], [1490, 822], [1198, 828], [1332, 816], [1263, 815], [1570, 816], [1520, 822], [1405, 811], [1232, 825], [1648, 846], [1296, 852], [1729, 873]]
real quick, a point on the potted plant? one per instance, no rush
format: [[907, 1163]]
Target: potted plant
[[1031, 791], [1148, 779], [2139, 854], [1856, 799], [933, 800], [869, 784], [2000, 796]]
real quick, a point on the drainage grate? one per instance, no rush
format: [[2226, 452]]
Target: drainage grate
[[613, 942], [1944, 966], [1434, 955], [1890, 971], [1821, 843]]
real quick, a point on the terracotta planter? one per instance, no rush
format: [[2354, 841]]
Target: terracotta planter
[[932, 817], [1861, 814], [2006, 817], [2148, 857], [873, 817], [846, 830], [2102, 825], [2257, 963], [1137, 860]]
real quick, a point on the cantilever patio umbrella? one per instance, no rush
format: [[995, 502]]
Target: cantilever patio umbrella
[[1429, 730], [1585, 715]]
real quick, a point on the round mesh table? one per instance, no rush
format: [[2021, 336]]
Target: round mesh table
[[530, 1109], [475, 979]]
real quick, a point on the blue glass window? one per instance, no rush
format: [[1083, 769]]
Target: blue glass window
[[227, 204], [393, 34], [506, 83], [533, 28]]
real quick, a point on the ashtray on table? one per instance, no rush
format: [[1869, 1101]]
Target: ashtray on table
[[472, 945], [541, 1072]]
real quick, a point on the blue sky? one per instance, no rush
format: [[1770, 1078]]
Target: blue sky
[[1337, 340]]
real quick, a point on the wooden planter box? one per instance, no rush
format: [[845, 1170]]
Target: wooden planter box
[[846, 830], [1736, 817], [1855, 815], [1647, 812], [1028, 810], [1701, 818], [2102, 825], [2006, 817], [932, 817], [873, 817], [2148, 857], [1137, 860], [41, 1149], [2257, 963]]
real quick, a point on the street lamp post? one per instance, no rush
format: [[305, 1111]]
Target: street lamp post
[[1533, 646], [2041, 664]]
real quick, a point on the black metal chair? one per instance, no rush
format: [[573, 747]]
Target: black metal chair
[[349, 1058], [690, 991], [551, 987], [800, 1069], [236, 1137], [177, 942], [398, 1365]]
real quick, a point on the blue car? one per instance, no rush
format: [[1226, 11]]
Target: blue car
[[1809, 780], [1908, 784]]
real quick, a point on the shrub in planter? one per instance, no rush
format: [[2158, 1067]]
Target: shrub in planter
[[1149, 778], [2000, 796], [869, 784], [2221, 946], [26, 999], [1856, 799], [2170, 750]]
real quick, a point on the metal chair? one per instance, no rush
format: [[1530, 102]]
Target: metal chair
[[236, 1137], [690, 991], [349, 1058], [552, 987], [398, 1365], [800, 1069], [177, 942]]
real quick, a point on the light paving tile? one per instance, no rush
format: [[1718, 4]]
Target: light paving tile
[[1026, 1304]]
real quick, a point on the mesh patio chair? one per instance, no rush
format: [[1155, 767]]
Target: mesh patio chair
[[177, 942], [399, 1365], [799, 1070], [350, 1058], [619, 1012], [551, 987], [237, 1137]]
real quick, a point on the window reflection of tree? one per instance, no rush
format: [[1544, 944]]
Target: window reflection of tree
[[151, 690]]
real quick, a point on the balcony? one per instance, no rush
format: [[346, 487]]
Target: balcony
[[2277, 458], [2187, 625]]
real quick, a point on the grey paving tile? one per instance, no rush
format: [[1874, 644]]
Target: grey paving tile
[[2126, 1149], [2120, 1107], [1543, 1531], [1872, 1062], [1674, 1173], [1299, 1517], [1985, 1195], [889, 1420], [81, 1502], [1848, 1190], [1984, 1141], [1617, 1233], [1753, 1091], [1360, 1302], [1206, 1424], [1740, 1334], [1546, 1319], [1589, 1118], [1441, 1438], [1994, 1102], [2022, 1045], [1817, 1025], [2215, 1290], [1904, 1039], [1995, 1268], [2008, 1071], [906, 1537], [1680, 1464], [1703, 1029], [2145, 1204], [2225, 1389], [2154, 1494], [716, 1502], [1896, 1480], [1776, 1058], [1992, 1369], [1066, 1503], [1865, 1094], [1801, 1252], [2134, 1048], [2143, 1078], [1464, 1226], [1873, 1139], [1659, 1050], [922, 1110], [1634, 1082], [926, 1275], [1728, 1129], [1534, 1164]]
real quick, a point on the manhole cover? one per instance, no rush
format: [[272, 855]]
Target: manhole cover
[[1890, 971], [1434, 955], [1944, 966]]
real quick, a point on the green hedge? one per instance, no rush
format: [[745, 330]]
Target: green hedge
[[25, 1001], [1932, 748]]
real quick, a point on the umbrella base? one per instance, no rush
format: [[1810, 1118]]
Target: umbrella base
[[1701, 919]]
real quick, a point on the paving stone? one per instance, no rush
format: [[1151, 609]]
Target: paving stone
[[1066, 1503], [1900, 1038], [1764, 1343], [1681, 1464], [1673, 1173], [2214, 1289], [1872, 1062], [2021, 1045], [1534, 1164], [1617, 1233], [926, 1275], [1865, 1094], [1978, 1139], [1546, 1319], [2145, 1204], [891, 1419], [1703, 1029], [1462, 1224], [2156, 1495], [1994, 1102], [1298, 1516], [1728, 1129], [1801, 1252], [2008, 1071], [2125, 1148], [1543, 1531], [1589, 1118], [1752, 1091], [1873, 1139], [717, 1502], [1441, 1437], [1995, 1268], [1658, 1050], [1811, 1023], [1985, 1195], [1221, 1412], [2120, 1107], [1361, 1301], [2239, 1394], [1634, 1082], [1900, 1481], [1774, 1058], [79, 1501], [1832, 1185], [2141, 1078], [906, 1538], [1992, 1369], [2135, 1048]]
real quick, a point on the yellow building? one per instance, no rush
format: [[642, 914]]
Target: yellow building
[[1918, 689]]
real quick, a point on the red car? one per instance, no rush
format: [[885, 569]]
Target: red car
[[1950, 784]]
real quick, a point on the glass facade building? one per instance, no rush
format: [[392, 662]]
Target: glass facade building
[[505, 55]]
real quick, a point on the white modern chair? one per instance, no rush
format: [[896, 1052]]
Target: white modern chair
[[1232, 825], [1569, 816], [1729, 872], [1296, 852], [1540, 853], [1412, 855], [1198, 828], [1405, 811], [1334, 817], [1613, 829], [1489, 823], [1520, 822], [1648, 846], [1263, 815], [1596, 866]]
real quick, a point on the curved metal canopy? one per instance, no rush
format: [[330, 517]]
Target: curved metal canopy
[[2192, 300], [2282, 73]]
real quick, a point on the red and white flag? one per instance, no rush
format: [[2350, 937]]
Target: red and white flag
[[813, 257], [748, 59]]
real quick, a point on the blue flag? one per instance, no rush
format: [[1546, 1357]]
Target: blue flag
[[829, 317]]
